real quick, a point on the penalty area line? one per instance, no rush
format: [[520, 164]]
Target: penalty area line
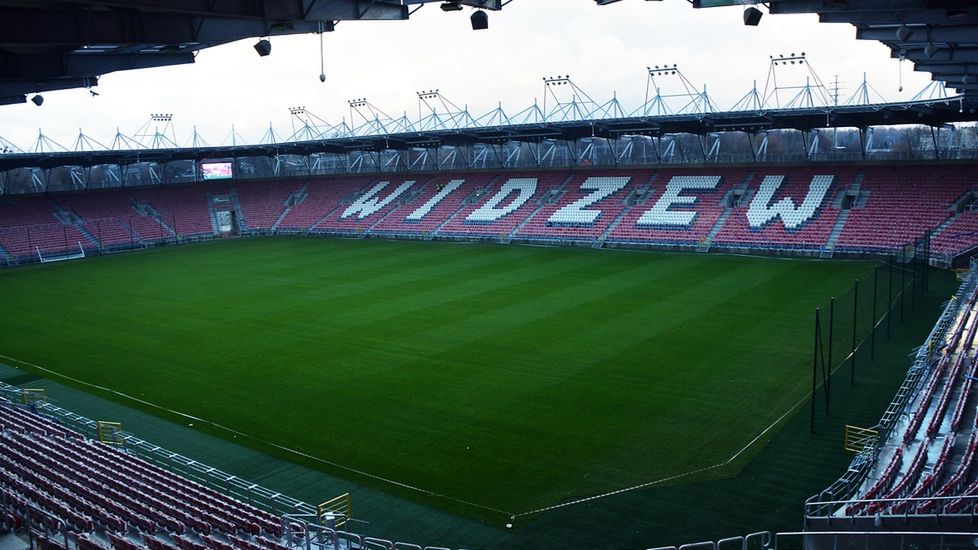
[[295, 452]]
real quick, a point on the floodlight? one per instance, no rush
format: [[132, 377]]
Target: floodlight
[[752, 16], [903, 33], [263, 47], [38, 99], [930, 50], [451, 6], [480, 21]]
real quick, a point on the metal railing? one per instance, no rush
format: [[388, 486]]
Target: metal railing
[[851, 540]]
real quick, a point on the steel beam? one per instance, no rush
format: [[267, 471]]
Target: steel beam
[[963, 34], [897, 17]]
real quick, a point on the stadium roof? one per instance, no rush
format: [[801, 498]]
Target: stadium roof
[[938, 36], [51, 45], [933, 112]]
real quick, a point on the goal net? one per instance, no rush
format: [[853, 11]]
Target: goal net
[[60, 257]]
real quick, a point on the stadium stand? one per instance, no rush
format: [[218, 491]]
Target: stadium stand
[[102, 494], [939, 430], [752, 227], [583, 207], [60, 489], [112, 218], [184, 214], [686, 219], [901, 203], [823, 210], [264, 202], [443, 199], [961, 233], [29, 224], [316, 200], [367, 206]]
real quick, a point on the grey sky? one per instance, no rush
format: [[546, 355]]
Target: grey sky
[[605, 49]]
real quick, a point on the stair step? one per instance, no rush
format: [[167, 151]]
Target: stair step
[[828, 249], [715, 230], [412, 195], [522, 224]]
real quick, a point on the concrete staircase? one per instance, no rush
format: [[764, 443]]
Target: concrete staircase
[[293, 200], [280, 219], [855, 189], [212, 212], [146, 210], [134, 236], [714, 231], [509, 238], [828, 249], [960, 206], [320, 219], [549, 197], [6, 257], [599, 242], [637, 197], [473, 197], [238, 212], [431, 235], [69, 218], [944, 225], [408, 197], [742, 193]]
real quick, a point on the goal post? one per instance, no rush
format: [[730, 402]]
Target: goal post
[[61, 257]]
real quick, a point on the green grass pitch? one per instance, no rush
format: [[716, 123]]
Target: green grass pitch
[[510, 377]]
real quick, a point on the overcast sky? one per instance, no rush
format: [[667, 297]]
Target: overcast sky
[[604, 49]]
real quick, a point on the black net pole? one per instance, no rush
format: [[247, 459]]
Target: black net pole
[[30, 245], [828, 383], [926, 264], [855, 309], [132, 238], [162, 233], [889, 300], [814, 368], [98, 227], [903, 279], [64, 230], [913, 290], [872, 334], [825, 375]]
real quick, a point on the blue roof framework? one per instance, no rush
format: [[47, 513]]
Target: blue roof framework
[[933, 112]]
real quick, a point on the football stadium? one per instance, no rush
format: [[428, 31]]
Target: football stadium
[[586, 324]]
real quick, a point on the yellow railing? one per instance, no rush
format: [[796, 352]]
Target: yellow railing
[[859, 439], [336, 509], [111, 433]]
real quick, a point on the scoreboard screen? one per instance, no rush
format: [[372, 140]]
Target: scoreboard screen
[[216, 170]]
